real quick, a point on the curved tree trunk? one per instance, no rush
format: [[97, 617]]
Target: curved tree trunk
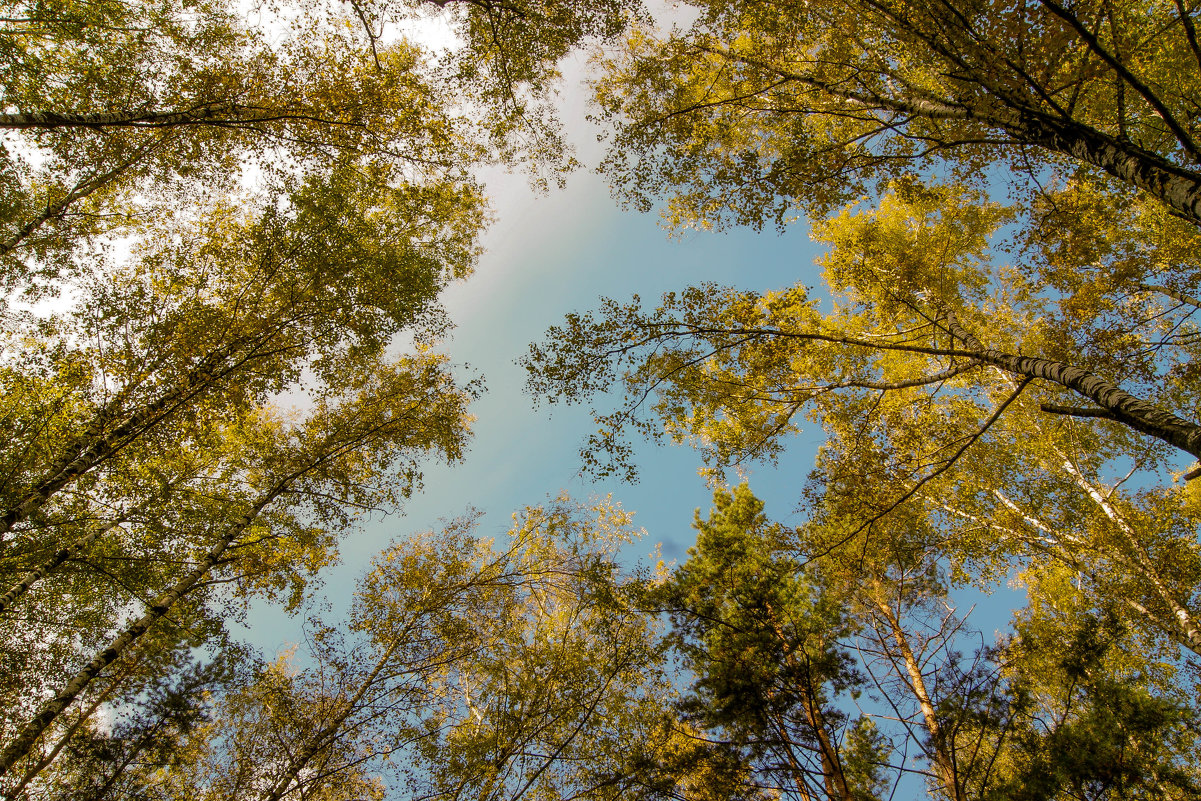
[[942, 757]]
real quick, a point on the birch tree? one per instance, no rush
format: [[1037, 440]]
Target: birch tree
[[296, 487], [939, 377], [467, 667], [116, 112], [809, 105], [343, 713], [568, 695]]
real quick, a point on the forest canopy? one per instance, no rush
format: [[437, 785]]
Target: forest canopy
[[204, 212], [999, 358]]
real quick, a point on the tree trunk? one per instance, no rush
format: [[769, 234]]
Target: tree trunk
[[210, 113], [1144, 417], [81, 190], [943, 758], [20, 745], [41, 571], [1186, 630], [95, 445], [1178, 188], [833, 775], [84, 716]]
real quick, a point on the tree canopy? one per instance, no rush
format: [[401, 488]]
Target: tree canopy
[[208, 217], [223, 238], [809, 104], [999, 355]]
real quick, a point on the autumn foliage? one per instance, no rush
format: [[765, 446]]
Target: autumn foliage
[[222, 243]]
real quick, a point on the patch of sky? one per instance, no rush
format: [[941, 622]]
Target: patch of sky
[[547, 255]]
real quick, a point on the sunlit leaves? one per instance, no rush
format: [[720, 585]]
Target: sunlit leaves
[[758, 111]]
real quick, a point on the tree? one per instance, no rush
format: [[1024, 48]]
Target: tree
[[809, 104], [565, 697], [764, 644], [463, 668], [753, 113], [127, 110], [988, 441], [342, 718], [300, 478], [231, 213], [827, 677], [823, 675], [157, 436], [120, 112]]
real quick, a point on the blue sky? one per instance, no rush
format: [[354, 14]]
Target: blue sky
[[547, 255]]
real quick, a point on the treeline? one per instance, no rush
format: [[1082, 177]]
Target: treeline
[[200, 214]]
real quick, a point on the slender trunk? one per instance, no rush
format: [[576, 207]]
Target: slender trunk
[[84, 716], [1153, 618], [212, 113], [1186, 627], [1144, 417], [1183, 628], [943, 758], [1190, 31], [1125, 76], [41, 571], [1174, 294], [82, 189], [800, 775], [832, 771], [315, 743], [95, 445], [92, 447], [833, 775], [20, 745]]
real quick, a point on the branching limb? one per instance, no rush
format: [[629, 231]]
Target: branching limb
[[1162, 111], [1136, 413], [1076, 411], [1177, 295], [1186, 628]]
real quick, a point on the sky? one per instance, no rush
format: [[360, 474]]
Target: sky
[[544, 256]]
